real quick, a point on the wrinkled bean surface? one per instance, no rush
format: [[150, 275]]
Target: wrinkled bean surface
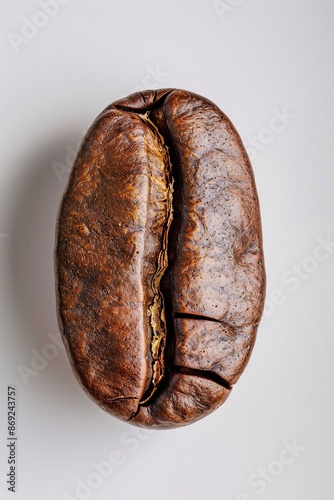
[[160, 275]]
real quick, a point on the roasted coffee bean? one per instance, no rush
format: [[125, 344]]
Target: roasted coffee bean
[[160, 274]]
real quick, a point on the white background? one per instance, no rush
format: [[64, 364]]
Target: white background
[[254, 59]]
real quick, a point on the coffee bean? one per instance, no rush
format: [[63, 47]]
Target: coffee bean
[[160, 274]]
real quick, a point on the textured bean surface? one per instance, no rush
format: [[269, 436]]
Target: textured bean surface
[[160, 275]]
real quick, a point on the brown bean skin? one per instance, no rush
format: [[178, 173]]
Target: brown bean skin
[[159, 261]]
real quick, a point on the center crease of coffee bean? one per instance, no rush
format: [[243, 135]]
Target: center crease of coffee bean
[[156, 310]]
